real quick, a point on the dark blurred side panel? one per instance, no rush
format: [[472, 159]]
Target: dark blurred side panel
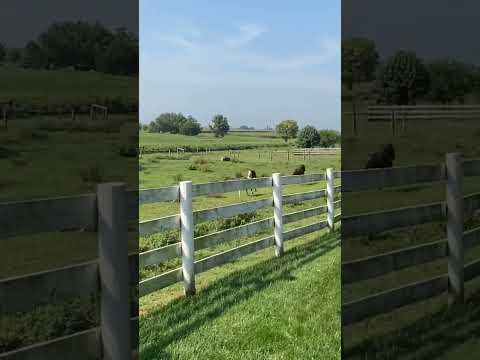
[[68, 179], [411, 179]]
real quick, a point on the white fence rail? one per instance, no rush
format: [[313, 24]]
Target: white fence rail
[[108, 212], [189, 244], [453, 210]]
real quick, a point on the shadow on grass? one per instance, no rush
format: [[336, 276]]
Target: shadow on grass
[[183, 316], [427, 338]]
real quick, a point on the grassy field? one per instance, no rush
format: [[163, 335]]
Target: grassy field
[[41, 88], [233, 140], [260, 307], [233, 307]]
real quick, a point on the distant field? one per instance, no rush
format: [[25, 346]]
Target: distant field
[[63, 87], [203, 140]]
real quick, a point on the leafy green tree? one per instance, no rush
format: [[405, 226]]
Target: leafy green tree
[[287, 129], [450, 80], [359, 60], [190, 127], [403, 79], [121, 55], [169, 123], [329, 138], [308, 137], [219, 125]]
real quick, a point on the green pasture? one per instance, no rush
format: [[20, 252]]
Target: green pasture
[[41, 88], [259, 307], [234, 307], [208, 140]]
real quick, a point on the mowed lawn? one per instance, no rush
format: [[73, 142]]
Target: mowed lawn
[[259, 307]]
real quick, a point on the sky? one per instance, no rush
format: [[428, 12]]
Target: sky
[[23, 20], [435, 29], [256, 62]]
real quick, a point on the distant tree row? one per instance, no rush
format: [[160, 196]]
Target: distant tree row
[[404, 77], [177, 123], [79, 45], [308, 137]]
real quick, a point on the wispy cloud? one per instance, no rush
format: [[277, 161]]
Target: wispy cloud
[[246, 34], [221, 71]]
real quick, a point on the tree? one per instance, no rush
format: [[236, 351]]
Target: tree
[[308, 137], [3, 53], [71, 43], [121, 55], [329, 138], [34, 57], [403, 79], [169, 123], [359, 60], [450, 80], [14, 56], [190, 127], [219, 125], [287, 129]]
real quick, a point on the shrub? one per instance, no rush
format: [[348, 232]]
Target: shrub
[[308, 137]]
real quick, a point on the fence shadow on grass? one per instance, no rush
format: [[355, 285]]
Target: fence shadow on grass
[[183, 316], [427, 338]]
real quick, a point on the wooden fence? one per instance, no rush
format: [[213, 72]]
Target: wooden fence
[[111, 277], [114, 277], [405, 113], [305, 153], [453, 210], [185, 220]]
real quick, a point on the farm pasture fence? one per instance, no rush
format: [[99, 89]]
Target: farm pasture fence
[[457, 206], [405, 113], [113, 278], [185, 249]]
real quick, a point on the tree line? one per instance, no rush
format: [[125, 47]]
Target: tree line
[[79, 45], [177, 123], [307, 137], [404, 78]]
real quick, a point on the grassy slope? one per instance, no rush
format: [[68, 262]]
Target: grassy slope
[[42, 87], [260, 307]]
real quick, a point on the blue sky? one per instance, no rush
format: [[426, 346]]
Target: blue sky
[[256, 62]]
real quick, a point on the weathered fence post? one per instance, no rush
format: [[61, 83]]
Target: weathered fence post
[[393, 122], [277, 213], [114, 271], [354, 124], [186, 219], [330, 199], [455, 210]]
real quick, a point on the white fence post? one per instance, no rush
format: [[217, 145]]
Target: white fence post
[[455, 214], [187, 232], [114, 271], [330, 199], [277, 213]]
